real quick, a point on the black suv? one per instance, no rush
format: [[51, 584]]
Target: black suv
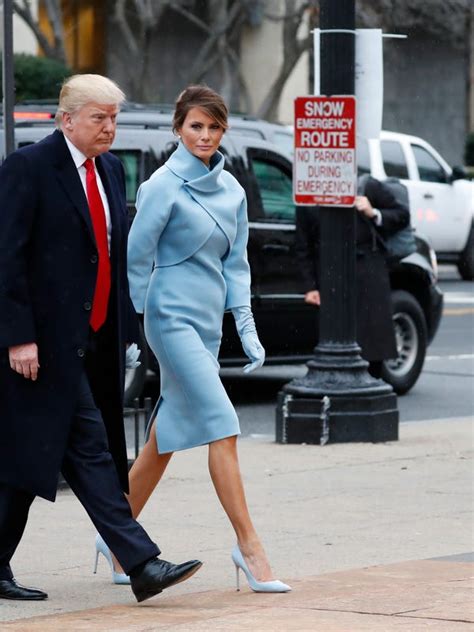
[[286, 325]]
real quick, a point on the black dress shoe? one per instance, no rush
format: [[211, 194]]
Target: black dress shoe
[[9, 589], [159, 574]]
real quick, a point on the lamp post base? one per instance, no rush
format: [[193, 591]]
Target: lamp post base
[[337, 401]]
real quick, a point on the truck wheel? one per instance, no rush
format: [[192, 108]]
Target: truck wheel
[[410, 334], [135, 378], [466, 261]]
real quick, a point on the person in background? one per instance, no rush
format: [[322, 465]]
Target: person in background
[[65, 321], [379, 215], [191, 227]]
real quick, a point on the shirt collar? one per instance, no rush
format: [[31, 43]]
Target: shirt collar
[[77, 155]]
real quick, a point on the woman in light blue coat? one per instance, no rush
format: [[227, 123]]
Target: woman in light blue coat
[[187, 265]]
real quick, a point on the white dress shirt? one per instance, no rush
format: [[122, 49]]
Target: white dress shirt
[[79, 160], [377, 217]]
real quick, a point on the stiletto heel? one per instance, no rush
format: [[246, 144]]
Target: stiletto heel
[[101, 547], [275, 586], [237, 578]]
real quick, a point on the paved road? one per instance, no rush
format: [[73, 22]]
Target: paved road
[[444, 389]]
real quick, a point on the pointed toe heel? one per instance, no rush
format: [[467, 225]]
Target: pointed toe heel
[[101, 547], [274, 586]]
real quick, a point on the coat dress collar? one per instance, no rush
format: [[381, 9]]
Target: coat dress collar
[[194, 172], [220, 197]]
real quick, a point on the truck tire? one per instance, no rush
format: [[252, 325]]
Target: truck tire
[[135, 378], [411, 336], [466, 260]]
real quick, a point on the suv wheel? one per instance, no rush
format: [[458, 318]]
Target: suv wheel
[[466, 261], [410, 334], [135, 378]]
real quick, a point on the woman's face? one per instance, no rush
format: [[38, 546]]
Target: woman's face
[[201, 134]]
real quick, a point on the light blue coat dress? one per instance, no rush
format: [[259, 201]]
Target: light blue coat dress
[[187, 264]]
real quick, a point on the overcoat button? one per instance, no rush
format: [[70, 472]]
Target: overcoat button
[[80, 353], [87, 306], [94, 258]]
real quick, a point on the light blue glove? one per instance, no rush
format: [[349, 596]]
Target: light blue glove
[[131, 357], [245, 325]]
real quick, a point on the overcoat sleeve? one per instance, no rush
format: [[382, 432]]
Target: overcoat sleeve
[[153, 210], [395, 215], [307, 245], [17, 211], [236, 269]]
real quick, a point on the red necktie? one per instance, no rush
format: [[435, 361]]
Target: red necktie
[[102, 287]]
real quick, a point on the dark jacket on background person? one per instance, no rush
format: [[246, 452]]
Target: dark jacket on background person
[[375, 333], [48, 268]]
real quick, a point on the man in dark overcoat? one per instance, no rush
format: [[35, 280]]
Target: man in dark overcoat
[[379, 215], [65, 321]]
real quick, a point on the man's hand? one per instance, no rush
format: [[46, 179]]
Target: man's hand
[[312, 298], [363, 205], [24, 360]]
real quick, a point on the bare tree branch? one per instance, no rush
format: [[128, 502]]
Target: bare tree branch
[[53, 8], [23, 9], [129, 39], [297, 15], [293, 47], [441, 18], [220, 26]]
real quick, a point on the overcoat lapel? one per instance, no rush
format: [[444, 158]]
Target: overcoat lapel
[[69, 179]]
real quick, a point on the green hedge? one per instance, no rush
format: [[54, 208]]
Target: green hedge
[[469, 150], [37, 77]]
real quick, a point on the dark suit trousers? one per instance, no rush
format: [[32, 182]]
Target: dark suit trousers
[[89, 469]]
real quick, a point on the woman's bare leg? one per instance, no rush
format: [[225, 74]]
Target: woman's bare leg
[[144, 476], [146, 473], [225, 473]]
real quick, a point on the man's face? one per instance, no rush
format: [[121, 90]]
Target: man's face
[[92, 128]]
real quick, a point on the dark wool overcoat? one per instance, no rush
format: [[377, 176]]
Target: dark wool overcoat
[[375, 333], [48, 269]]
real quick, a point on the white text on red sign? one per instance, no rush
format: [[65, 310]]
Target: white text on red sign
[[324, 166]]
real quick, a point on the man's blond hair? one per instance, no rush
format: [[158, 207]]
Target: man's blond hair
[[79, 90]]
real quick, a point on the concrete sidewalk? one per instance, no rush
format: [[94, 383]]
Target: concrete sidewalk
[[426, 595], [321, 512]]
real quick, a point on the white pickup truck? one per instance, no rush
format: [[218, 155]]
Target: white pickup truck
[[441, 198]]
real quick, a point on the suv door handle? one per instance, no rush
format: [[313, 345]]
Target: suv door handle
[[428, 196], [276, 249]]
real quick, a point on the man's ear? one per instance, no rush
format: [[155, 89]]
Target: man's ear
[[67, 121]]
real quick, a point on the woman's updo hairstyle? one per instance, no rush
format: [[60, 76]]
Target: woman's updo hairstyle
[[204, 98]]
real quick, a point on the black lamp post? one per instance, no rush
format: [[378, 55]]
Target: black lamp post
[[337, 400]]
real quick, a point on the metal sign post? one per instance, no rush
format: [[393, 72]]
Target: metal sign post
[[8, 78], [337, 400]]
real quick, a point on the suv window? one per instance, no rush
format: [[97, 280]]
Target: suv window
[[363, 156], [394, 159], [429, 169], [131, 161], [276, 191]]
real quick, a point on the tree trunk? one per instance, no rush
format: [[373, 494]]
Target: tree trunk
[[292, 51], [53, 8]]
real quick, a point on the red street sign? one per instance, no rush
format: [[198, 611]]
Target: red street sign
[[324, 167]]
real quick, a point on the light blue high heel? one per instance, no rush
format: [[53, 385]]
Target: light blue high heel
[[101, 547], [275, 586]]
